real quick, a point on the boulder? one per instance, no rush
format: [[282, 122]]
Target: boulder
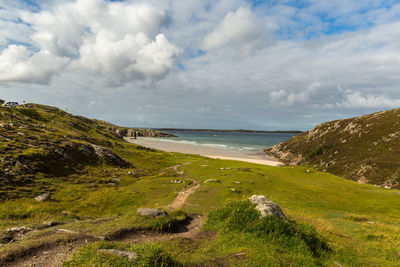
[[125, 254], [43, 197], [151, 212], [266, 207]]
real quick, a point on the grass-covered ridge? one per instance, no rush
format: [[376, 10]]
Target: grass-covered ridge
[[364, 149], [330, 219]]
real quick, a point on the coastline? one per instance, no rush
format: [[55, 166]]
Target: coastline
[[210, 152]]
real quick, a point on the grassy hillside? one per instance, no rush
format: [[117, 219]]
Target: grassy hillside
[[364, 149], [94, 202], [41, 142]]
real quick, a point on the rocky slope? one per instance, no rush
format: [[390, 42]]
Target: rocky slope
[[364, 149]]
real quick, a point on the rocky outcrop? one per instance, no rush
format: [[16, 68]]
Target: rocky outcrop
[[363, 149], [130, 132], [110, 157], [266, 207]]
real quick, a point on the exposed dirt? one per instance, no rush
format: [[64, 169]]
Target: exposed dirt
[[52, 256], [191, 229], [177, 171]]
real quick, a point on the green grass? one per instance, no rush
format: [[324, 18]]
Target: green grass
[[330, 219], [148, 255], [241, 217]]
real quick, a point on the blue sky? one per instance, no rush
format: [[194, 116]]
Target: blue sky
[[203, 64]]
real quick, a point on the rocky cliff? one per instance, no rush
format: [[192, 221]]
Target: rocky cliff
[[364, 149]]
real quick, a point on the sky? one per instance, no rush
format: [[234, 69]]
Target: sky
[[227, 64]]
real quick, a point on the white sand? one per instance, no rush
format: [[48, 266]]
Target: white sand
[[211, 152]]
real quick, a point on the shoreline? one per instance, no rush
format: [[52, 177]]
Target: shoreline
[[210, 152]]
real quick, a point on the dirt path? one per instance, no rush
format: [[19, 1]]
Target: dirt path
[[191, 229], [55, 255], [183, 195]]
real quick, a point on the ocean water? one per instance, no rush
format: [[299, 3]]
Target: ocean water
[[250, 142]]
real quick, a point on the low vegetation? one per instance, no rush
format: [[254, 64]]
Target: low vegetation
[[94, 202]]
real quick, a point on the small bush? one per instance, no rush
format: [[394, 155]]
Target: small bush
[[241, 216]]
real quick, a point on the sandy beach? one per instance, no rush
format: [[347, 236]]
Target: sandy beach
[[211, 152]]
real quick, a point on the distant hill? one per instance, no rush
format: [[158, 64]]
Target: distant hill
[[228, 131], [364, 149]]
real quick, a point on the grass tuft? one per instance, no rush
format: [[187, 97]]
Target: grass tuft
[[147, 255], [240, 216]]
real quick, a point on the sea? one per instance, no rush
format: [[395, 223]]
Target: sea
[[249, 142]]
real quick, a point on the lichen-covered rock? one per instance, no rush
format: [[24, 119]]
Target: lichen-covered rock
[[43, 197], [151, 212], [266, 207]]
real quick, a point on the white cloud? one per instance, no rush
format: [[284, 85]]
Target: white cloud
[[355, 99], [283, 98], [274, 85], [17, 64], [242, 30], [120, 40]]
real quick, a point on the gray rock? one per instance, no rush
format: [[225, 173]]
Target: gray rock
[[151, 212], [176, 181], [266, 207], [20, 229], [125, 254], [51, 223], [43, 197], [234, 190], [115, 180], [210, 180]]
